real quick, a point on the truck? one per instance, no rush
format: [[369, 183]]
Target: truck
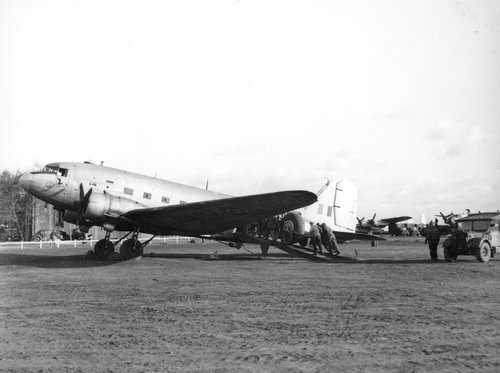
[[475, 234]]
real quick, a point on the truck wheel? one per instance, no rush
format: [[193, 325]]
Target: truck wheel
[[448, 255], [483, 253], [448, 252]]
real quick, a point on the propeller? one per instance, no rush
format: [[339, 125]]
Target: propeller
[[372, 220], [447, 218], [82, 203], [360, 221]]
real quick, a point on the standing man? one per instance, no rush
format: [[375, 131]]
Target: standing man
[[432, 238], [329, 241], [326, 237], [315, 239]]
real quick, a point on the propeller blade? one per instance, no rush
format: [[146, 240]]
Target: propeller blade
[[82, 196], [82, 193], [83, 203], [86, 198]]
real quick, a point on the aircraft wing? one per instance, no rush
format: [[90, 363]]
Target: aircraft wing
[[397, 219], [347, 236], [213, 216]]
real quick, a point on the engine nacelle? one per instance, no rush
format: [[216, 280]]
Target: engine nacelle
[[70, 216], [99, 205], [292, 228], [105, 203]]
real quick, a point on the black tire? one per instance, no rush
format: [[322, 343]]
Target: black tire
[[483, 253], [304, 241], [287, 232], [449, 252], [292, 227], [131, 248], [103, 248]]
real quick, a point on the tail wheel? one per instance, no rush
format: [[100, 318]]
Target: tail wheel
[[483, 253], [131, 248], [103, 248]]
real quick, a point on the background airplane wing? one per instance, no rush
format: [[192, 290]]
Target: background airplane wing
[[347, 236], [215, 216], [395, 220]]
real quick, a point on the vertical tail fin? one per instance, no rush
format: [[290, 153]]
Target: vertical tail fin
[[337, 206], [345, 205]]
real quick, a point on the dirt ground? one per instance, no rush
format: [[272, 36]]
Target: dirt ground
[[207, 308]]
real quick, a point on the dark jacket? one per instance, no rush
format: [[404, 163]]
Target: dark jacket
[[432, 235]]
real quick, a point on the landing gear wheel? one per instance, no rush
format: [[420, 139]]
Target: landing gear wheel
[[287, 232], [291, 227], [483, 253], [103, 248], [131, 248]]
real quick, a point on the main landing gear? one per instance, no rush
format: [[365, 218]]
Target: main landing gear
[[103, 248], [130, 248]]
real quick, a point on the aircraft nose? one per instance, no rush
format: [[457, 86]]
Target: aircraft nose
[[26, 180]]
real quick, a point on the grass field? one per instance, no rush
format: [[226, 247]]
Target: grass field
[[209, 308]]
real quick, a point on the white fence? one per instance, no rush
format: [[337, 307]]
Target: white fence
[[73, 243]]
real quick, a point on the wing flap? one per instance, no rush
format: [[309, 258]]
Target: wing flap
[[209, 217]]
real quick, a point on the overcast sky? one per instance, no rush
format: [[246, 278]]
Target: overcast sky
[[401, 97]]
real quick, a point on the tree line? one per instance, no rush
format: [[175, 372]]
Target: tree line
[[15, 208]]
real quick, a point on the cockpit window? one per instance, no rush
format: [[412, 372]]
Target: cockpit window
[[50, 169]]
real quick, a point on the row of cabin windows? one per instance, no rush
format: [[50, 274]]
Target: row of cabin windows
[[146, 195], [328, 211]]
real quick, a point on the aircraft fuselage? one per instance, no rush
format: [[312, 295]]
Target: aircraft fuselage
[[115, 191]]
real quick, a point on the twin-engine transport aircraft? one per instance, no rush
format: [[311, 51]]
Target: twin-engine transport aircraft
[[114, 199], [89, 195]]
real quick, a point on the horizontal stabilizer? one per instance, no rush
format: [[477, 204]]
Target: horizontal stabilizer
[[347, 236]]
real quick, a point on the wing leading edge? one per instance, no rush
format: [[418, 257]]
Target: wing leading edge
[[395, 219], [209, 217]]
